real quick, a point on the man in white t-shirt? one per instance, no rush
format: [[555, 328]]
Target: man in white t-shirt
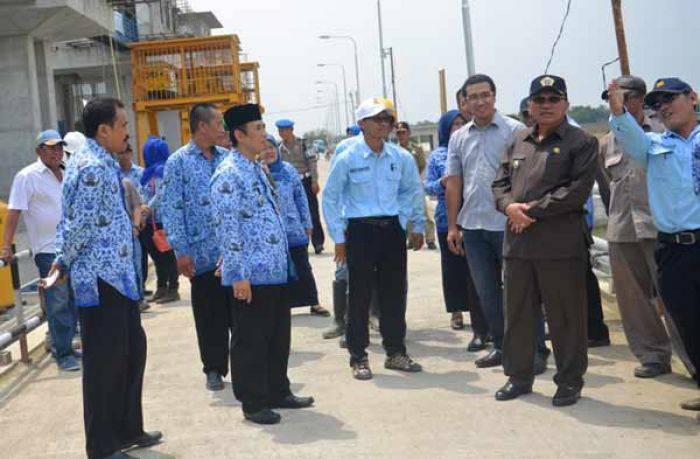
[[36, 194]]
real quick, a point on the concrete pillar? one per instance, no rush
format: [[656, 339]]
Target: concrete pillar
[[22, 113]]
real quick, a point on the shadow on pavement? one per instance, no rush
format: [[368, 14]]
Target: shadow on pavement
[[307, 320], [599, 413], [299, 358], [300, 427], [453, 381]]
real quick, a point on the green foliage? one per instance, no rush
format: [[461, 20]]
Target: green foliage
[[584, 114]]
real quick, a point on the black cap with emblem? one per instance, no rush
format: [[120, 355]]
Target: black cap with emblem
[[548, 83]]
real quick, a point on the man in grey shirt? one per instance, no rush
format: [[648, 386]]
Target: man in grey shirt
[[474, 224]]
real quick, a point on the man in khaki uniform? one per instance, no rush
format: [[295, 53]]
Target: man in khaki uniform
[[632, 239], [403, 135], [543, 182]]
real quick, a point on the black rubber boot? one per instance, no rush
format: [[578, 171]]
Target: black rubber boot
[[340, 305]]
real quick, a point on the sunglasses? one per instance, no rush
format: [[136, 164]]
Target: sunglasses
[[541, 100], [665, 98]]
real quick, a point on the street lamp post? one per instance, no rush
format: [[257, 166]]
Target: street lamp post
[[337, 101], [357, 66], [345, 89]]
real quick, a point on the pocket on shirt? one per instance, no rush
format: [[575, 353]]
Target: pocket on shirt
[[360, 176], [660, 164]]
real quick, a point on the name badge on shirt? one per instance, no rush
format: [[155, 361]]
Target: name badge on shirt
[[360, 169]]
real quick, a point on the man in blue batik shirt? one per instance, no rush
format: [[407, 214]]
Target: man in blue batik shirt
[[672, 164], [372, 191], [189, 219], [256, 266], [94, 245]]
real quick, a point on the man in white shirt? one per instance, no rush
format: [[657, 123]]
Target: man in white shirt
[[36, 194]]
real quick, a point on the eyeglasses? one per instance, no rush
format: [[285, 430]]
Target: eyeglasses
[[481, 96], [541, 100], [382, 119], [665, 98]]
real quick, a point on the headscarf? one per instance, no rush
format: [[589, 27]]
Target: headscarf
[[445, 126], [276, 167], [155, 153]]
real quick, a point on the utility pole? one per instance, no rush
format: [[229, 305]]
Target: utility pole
[[443, 91], [468, 47], [620, 35], [390, 52], [381, 46]]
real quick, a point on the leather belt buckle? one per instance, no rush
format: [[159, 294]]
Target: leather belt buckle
[[685, 238]]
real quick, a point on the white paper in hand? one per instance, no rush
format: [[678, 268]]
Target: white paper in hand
[[51, 280]]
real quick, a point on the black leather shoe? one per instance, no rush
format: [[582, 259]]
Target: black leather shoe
[[265, 416], [601, 342], [214, 381], [144, 440], [511, 391], [492, 359], [652, 370], [566, 395], [691, 405], [540, 365], [291, 401], [478, 343]]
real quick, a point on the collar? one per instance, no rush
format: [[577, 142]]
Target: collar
[[193, 149], [560, 131], [367, 151], [496, 122], [41, 167], [693, 133], [102, 154]]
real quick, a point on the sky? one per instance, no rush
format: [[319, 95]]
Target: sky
[[512, 40]]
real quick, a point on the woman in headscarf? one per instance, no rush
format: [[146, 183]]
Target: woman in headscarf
[[457, 285], [155, 153], [294, 209]]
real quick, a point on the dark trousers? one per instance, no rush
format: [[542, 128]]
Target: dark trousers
[[164, 262], [560, 286], [458, 287], [376, 244], [597, 329], [679, 285], [211, 305], [317, 237], [260, 348], [114, 358], [302, 292], [143, 242]]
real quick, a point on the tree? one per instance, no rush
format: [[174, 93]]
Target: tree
[[584, 114]]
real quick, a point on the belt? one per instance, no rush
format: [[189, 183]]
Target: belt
[[683, 237], [305, 175], [382, 221]]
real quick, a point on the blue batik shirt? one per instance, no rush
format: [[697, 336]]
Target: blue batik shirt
[[362, 183], [294, 205], [251, 232], [153, 196], [94, 238], [434, 172], [188, 216], [669, 160]]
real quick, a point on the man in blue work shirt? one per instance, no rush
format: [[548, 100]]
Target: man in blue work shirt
[[256, 268], [672, 163], [376, 184], [94, 245], [189, 220]]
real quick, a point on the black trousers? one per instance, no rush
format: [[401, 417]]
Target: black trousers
[[460, 295], [302, 292], [114, 358], [679, 285], [260, 348], [560, 286], [211, 305], [317, 237], [164, 262], [143, 242], [597, 329], [376, 244]]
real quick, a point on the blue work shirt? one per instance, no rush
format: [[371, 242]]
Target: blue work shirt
[[94, 237], [668, 160], [251, 232], [187, 213], [294, 205], [362, 183], [475, 153], [434, 172]]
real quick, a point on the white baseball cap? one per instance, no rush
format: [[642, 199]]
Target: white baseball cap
[[374, 106], [74, 140]]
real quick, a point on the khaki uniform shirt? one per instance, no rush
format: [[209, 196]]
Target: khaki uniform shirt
[[301, 157], [629, 214], [555, 177], [418, 155]]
